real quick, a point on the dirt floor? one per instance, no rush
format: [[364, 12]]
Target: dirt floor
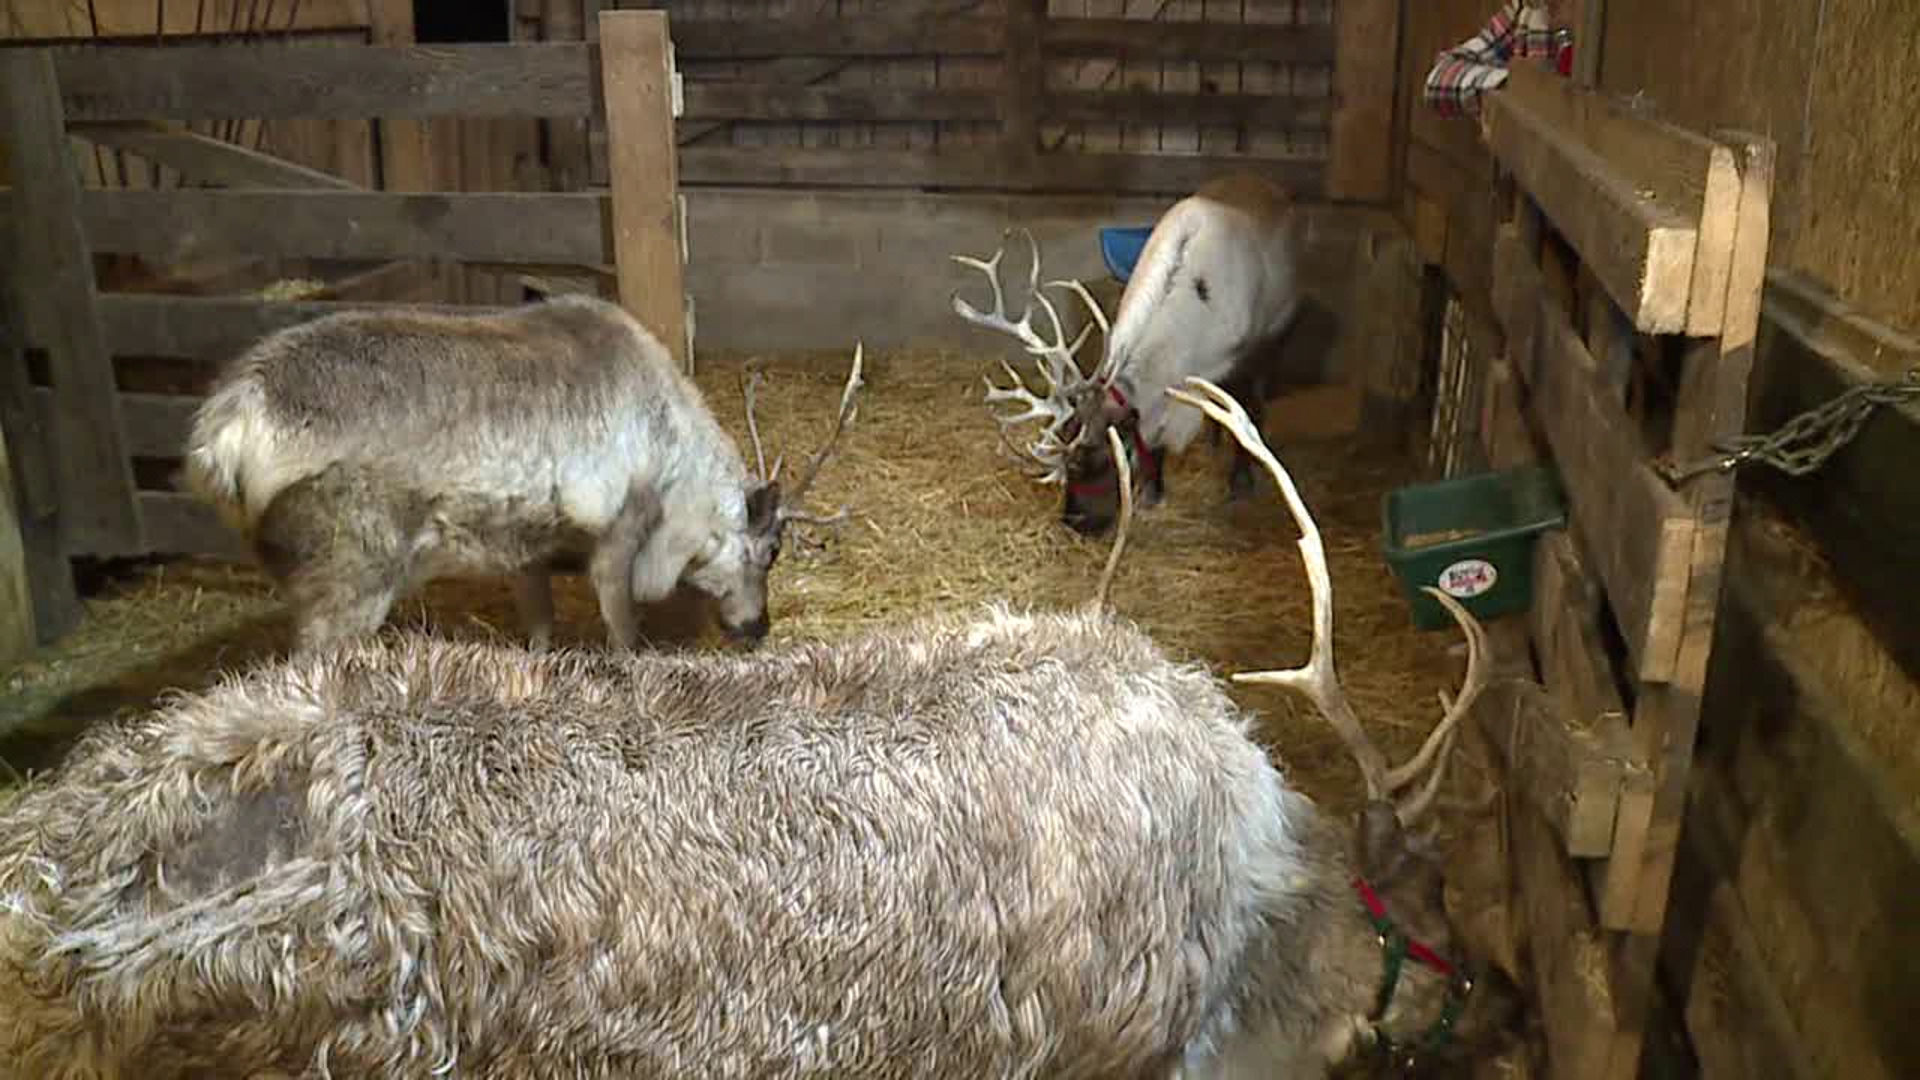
[[940, 519]]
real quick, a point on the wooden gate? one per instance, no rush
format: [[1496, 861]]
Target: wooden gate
[[75, 437], [1627, 276]]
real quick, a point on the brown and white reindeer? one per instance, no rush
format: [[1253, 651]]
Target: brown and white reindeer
[[365, 453], [1214, 294], [989, 844]]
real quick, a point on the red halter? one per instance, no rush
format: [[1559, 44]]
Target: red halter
[[1141, 453]]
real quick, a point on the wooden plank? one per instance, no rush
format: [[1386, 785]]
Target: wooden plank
[[213, 328], [1664, 164], [1863, 511], [773, 101], [1361, 159], [1641, 249], [1802, 788], [643, 174], [205, 160], [29, 441], [1740, 1031], [53, 272], [406, 149], [1139, 106], [1641, 535], [179, 524], [1712, 405], [889, 34], [959, 169], [1140, 39], [1569, 775], [347, 33], [156, 424], [1585, 1038], [179, 225], [1579, 684], [269, 79], [1023, 82], [566, 136]]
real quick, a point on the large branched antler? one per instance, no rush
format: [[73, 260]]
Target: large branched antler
[[792, 502], [1055, 360], [1317, 679]]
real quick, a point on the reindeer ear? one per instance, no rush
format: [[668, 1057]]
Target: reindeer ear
[[763, 507]]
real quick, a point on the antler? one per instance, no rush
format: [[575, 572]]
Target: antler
[[796, 495], [1316, 678], [1060, 369]]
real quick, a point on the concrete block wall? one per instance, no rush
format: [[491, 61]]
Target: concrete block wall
[[776, 270]]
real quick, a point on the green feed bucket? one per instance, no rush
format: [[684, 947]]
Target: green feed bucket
[[1472, 537]]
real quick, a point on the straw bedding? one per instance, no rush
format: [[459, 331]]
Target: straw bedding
[[940, 518]]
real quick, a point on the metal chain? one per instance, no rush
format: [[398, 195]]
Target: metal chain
[[1805, 442]]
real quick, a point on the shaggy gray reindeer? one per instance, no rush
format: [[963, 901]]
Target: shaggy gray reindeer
[[1214, 295], [365, 453], [986, 845]]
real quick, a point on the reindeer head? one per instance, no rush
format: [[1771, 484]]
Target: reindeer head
[[739, 585], [1395, 862], [1072, 449]]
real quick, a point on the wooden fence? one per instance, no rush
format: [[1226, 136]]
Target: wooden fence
[[1627, 276], [1015, 96], [83, 445]]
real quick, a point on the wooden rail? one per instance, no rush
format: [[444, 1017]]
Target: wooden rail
[[74, 441], [1628, 222]]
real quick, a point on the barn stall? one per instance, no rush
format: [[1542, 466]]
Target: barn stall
[[1584, 284]]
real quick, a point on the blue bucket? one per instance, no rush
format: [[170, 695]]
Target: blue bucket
[[1121, 249]]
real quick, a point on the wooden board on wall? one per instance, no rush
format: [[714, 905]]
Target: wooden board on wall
[[1361, 161]]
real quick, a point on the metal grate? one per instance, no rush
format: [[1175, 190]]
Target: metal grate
[[1456, 419]]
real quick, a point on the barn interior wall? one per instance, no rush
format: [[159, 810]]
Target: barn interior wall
[[1836, 83], [785, 269]]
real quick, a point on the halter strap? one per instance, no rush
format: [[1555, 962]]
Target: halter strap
[[1397, 946], [1151, 468]]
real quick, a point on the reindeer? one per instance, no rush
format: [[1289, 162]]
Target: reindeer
[[983, 844], [1214, 295], [364, 454]]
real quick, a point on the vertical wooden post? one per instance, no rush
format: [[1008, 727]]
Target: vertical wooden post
[[31, 486], [1022, 85], [53, 270], [1360, 141], [567, 137], [636, 68], [405, 160]]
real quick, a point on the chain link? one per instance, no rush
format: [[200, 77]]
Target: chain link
[[1805, 442]]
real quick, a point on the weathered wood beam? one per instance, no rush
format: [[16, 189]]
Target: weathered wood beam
[[1055, 172], [1640, 246], [206, 160], [774, 101], [51, 268], [179, 225], [1139, 39], [643, 175], [1639, 532], [270, 79], [882, 34]]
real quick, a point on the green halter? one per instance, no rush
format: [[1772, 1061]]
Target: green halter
[[1396, 947]]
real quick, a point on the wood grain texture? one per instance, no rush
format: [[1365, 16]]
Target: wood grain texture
[[643, 175], [1641, 248], [1058, 172], [1361, 154], [206, 160], [52, 271], [1639, 532], [180, 225], [269, 79]]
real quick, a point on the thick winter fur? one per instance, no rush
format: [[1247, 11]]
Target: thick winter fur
[[365, 453], [1213, 294], [1003, 845]]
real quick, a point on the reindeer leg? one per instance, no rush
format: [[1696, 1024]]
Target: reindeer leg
[[611, 568], [533, 597], [1253, 398]]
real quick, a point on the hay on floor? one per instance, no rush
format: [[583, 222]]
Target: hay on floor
[[940, 519]]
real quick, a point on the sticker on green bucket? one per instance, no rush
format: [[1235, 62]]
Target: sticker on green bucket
[[1468, 578]]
